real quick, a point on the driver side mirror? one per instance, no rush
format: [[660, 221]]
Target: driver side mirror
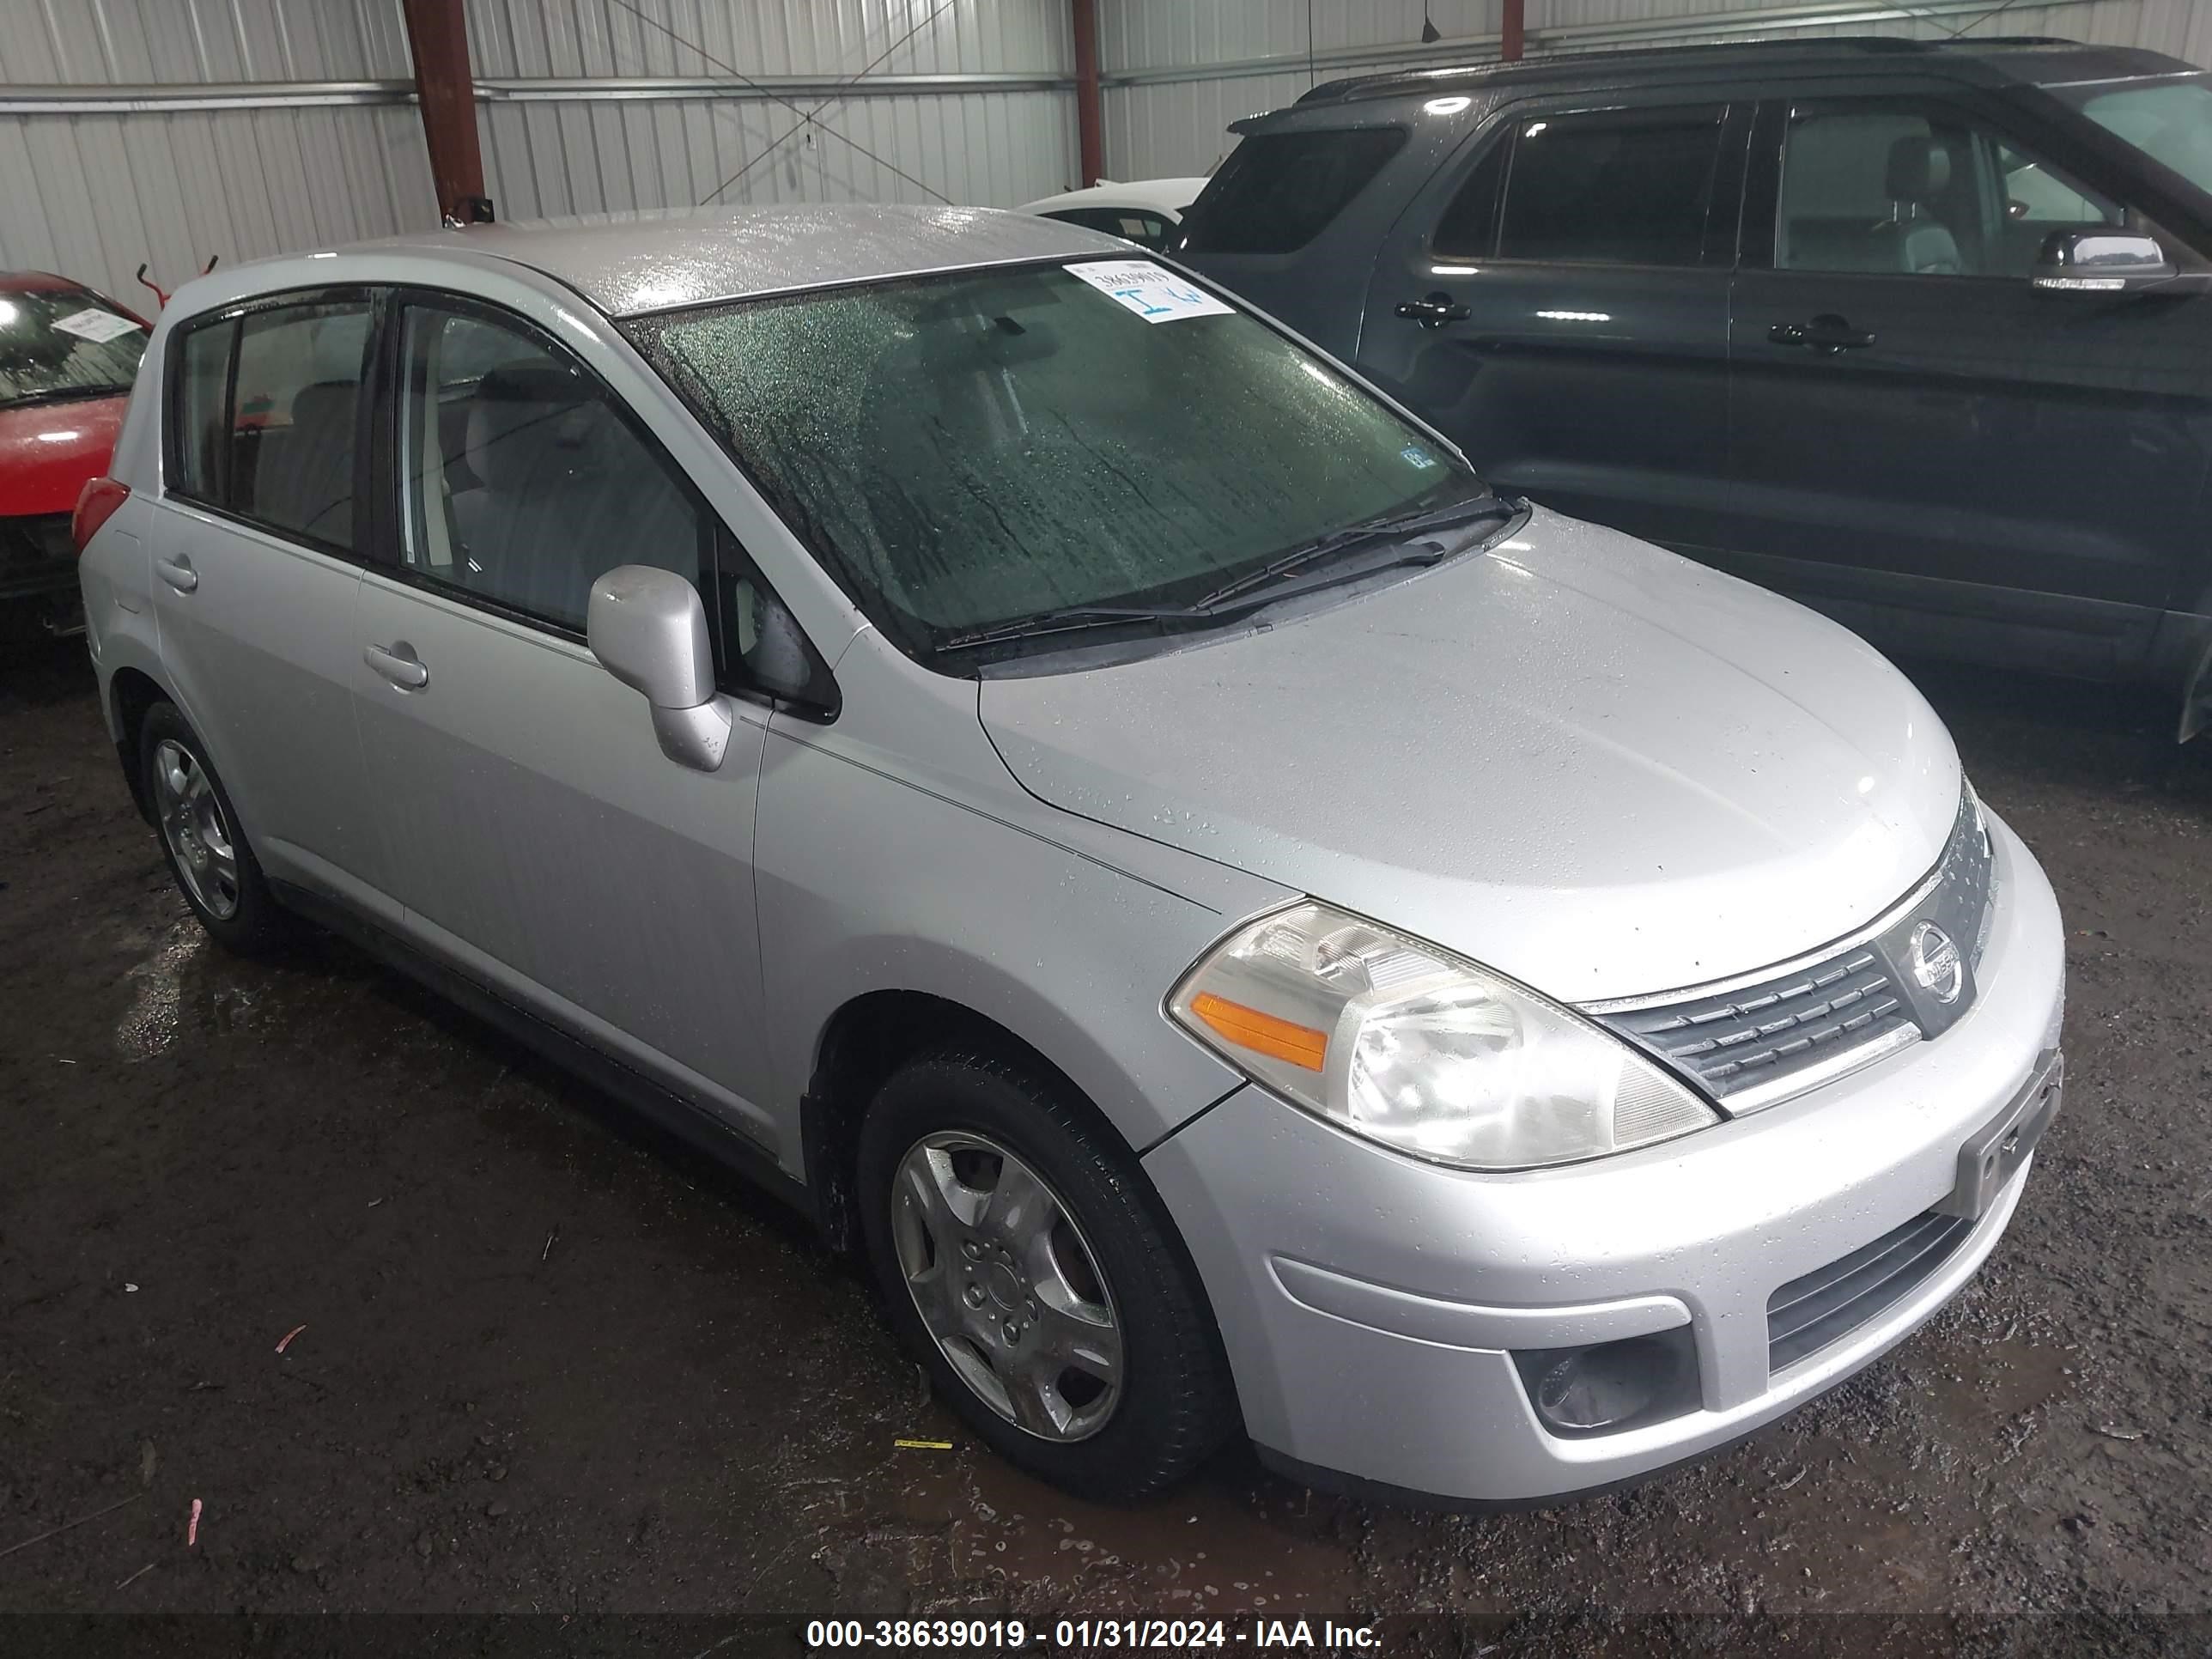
[[648, 629], [2096, 260]]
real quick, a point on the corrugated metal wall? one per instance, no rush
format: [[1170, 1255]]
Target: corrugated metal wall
[[303, 134], [95, 193], [169, 130], [1177, 72], [1007, 136]]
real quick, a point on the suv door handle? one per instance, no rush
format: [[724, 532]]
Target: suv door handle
[[179, 573], [398, 663], [1828, 334], [1434, 312]]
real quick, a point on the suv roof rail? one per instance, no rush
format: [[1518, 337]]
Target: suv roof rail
[[1382, 84]]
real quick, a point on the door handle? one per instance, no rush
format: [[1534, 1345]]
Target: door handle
[[179, 573], [398, 663], [1826, 334], [1434, 312]]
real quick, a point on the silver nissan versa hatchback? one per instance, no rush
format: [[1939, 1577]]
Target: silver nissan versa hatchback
[[1245, 927]]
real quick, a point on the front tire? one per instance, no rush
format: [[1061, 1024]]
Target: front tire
[[208, 854], [1025, 1261]]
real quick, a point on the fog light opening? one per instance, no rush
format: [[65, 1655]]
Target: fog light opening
[[1609, 1387]]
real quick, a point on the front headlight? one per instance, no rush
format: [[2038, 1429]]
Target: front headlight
[[1414, 1047], [1973, 804]]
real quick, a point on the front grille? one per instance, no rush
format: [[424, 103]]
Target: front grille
[[1728, 1041], [1745, 1043], [1808, 1313]]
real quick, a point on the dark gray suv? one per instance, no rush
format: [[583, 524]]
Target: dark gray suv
[[1916, 333]]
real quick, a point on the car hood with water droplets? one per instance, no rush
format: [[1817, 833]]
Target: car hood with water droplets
[[1585, 763]]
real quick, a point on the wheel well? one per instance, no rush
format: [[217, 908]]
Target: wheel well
[[865, 1041], [871, 1037], [133, 694]]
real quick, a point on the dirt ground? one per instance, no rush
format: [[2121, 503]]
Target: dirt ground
[[550, 1364]]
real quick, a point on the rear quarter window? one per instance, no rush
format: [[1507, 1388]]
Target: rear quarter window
[[199, 446], [1278, 191]]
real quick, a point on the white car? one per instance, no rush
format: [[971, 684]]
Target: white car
[[1145, 212]]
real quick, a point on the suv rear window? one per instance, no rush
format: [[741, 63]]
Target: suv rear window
[[1278, 191]]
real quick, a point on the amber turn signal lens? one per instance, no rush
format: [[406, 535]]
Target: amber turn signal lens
[[1263, 1034]]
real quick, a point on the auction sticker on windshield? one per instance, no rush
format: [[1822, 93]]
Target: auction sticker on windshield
[[94, 325], [1154, 293]]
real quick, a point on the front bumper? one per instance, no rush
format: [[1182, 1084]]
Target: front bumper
[[1370, 1304]]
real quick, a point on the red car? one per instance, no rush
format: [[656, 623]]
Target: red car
[[67, 358]]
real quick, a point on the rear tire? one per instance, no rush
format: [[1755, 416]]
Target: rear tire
[[213, 865], [1025, 1261]]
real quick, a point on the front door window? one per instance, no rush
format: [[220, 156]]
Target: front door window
[[1909, 188], [522, 483]]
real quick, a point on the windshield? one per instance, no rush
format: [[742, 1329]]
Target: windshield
[[968, 450], [59, 344], [2168, 119]]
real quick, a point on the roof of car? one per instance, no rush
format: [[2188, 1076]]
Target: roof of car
[[629, 263], [2031, 59], [1160, 194], [33, 281]]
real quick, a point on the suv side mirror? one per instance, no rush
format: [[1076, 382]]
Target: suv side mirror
[[648, 629], [2101, 261]]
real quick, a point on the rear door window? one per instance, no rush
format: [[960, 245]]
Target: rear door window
[[265, 414], [1278, 191], [296, 405], [1615, 187]]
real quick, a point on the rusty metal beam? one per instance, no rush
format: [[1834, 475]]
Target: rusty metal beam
[[438, 40], [1090, 124], [1514, 33]]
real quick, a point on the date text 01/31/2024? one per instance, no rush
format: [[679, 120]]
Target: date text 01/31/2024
[[828, 1634]]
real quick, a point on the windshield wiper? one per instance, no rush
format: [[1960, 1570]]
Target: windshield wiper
[[1369, 533], [1069, 621], [62, 394], [1395, 530]]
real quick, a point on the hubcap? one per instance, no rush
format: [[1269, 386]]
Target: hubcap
[[1005, 1281], [192, 823]]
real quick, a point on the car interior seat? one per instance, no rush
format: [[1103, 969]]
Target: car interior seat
[[1916, 241], [311, 488], [564, 494]]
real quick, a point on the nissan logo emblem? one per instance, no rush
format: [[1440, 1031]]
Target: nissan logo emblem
[[1937, 968]]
